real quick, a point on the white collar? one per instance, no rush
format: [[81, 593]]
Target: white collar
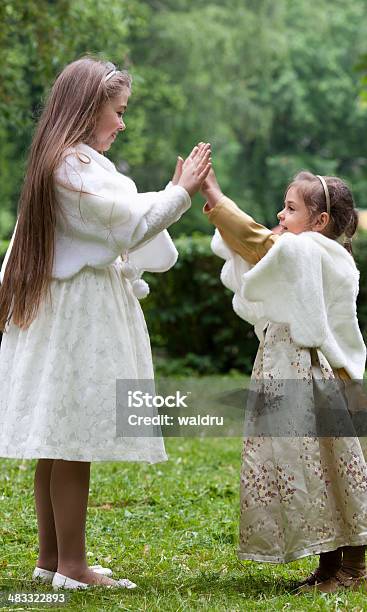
[[100, 159], [330, 246]]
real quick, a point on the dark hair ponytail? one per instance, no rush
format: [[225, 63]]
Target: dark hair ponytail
[[350, 230]]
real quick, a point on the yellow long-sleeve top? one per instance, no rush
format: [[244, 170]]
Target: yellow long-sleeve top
[[249, 239]]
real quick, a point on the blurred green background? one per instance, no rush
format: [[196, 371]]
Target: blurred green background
[[274, 86]]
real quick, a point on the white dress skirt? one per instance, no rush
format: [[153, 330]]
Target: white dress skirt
[[58, 377]]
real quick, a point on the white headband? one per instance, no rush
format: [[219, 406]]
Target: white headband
[[326, 192], [109, 75]]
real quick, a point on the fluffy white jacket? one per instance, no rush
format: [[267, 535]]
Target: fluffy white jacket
[[104, 217], [308, 282]]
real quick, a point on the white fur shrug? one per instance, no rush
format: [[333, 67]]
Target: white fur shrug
[[307, 281], [104, 217]]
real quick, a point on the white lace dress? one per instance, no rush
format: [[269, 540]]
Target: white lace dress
[[58, 377]]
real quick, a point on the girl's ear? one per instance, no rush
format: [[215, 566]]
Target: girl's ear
[[321, 222]]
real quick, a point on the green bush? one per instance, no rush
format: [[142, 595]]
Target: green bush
[[190, 316]]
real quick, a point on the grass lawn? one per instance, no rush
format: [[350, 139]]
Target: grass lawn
[[170, 527]]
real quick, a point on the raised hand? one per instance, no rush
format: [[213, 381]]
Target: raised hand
[[195, 169], [178, 171], [210, 188]]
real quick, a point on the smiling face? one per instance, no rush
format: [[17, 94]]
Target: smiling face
[[110, 121], [295, 216]]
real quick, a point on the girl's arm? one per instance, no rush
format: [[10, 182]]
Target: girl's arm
[[103, 208], [248, 238]]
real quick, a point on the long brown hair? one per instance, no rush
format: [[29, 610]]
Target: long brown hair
[[70, 116], [343, 214]]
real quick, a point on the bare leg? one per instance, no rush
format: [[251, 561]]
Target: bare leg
[[69, 496], [47, 557]]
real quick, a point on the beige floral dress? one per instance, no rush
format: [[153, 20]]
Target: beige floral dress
[[299, 495]]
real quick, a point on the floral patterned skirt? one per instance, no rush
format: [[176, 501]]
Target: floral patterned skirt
[[300, 495]]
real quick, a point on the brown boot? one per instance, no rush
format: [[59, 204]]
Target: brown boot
[[354, 561], [330, 562], [341, 580], [351, 575]]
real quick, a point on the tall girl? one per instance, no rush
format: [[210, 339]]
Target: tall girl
[[69, 309], [304, 493]]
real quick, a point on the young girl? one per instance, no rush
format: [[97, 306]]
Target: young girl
[[301, 494], [83, 238]]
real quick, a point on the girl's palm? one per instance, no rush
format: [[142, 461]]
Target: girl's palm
[[210, 183], [195, 169]]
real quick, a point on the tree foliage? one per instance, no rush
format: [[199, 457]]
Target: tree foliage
[[272, 85]]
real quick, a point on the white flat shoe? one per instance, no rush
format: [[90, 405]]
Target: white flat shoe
[[46, 576], [64, 582], [60, 581], [98, 569], [42, 575], [124, 583]]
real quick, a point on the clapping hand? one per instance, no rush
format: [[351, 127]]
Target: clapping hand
[[210, 188], [178, 171], [191, 172]]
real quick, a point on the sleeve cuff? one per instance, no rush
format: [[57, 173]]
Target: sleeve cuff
[[213, 212]]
